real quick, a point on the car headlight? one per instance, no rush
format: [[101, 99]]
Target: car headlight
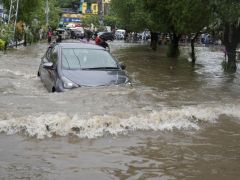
[[128, 82], [68, 84]]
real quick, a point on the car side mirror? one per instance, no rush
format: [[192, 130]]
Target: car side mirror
[[123, 66], [48, 65], [51, 45]]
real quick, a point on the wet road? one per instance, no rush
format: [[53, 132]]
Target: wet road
[[176, 122]]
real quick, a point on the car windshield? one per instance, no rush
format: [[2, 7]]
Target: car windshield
[[75, 58]]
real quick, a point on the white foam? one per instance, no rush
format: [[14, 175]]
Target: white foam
[[62, 124], [18, 73]]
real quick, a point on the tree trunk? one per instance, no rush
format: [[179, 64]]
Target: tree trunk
[[5, 47], [25, 39], [192, 48], [231, 40], [173, 50], [154, 40], [231, 63]]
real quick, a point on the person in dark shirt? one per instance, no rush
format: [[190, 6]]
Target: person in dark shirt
[[101, 42]]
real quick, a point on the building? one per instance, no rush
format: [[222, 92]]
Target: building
[[70, 16], [91, 7], [106, 7], [74, 15]]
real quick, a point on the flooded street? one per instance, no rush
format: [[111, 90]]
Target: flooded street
[[178, 121]]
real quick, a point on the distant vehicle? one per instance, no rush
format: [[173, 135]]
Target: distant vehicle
[[107, 36], [77, 33], [63, 33], [119, 34], [145, 35], [71, 65]]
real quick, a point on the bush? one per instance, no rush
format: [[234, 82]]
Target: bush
[[2, 44], [6, 33]]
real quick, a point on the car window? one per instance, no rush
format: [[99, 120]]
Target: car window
[[53, 55], [86, 58], [48, 54]]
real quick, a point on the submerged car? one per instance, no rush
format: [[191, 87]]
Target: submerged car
[[71, 65]]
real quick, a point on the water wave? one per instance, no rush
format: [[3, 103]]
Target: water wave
[[26, 75], [63, 124]]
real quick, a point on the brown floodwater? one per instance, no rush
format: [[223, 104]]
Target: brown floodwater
[[177, 121]]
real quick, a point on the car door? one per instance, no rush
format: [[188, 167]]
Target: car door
[[43, 72], [49, 74], [53, 72]]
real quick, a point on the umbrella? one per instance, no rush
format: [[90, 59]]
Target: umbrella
[[107, 36]]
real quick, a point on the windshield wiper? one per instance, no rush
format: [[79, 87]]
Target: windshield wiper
[[96, 68]]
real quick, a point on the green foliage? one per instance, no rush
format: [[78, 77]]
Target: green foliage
[[26, 8], [65, 3], [29, 35], [2, 44], [226, 13], [226, 10], [110, 21], [91, 19], [30, 11], [179, 16], [6, 33], [130, 14], [54, 13], [94, 19]]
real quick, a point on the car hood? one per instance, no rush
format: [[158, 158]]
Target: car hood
[[96, 77]]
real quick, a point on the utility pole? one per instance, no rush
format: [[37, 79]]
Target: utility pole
[[100, 12], [13, 14], [47, 12]]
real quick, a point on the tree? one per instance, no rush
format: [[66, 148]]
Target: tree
[[110, 21], [178, 17], [189, 18], [227, 17], [65, 3], [26, 7], [175, 17], [92, 19], [6, 34], [35, 9], [32, 13], [130, 14]]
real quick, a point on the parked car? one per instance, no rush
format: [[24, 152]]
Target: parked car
[[71, 65], [76, 33], [119, 34], [63, 33]]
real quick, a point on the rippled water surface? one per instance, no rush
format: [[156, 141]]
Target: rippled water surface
[[178, 121]]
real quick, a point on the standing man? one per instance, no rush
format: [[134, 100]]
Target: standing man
[[49, 35]]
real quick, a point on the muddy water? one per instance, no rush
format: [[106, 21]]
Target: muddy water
[[176, 122]]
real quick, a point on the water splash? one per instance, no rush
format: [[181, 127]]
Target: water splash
[[25, 75], [63, 124]]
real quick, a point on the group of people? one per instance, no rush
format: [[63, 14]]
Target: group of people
[[99, 40]]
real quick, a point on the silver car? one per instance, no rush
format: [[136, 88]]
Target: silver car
[[72, 65]]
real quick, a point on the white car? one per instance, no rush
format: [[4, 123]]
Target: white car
[[64, 34], [119, 34]]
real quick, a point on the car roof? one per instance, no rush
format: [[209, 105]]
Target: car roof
[[80, 45]]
